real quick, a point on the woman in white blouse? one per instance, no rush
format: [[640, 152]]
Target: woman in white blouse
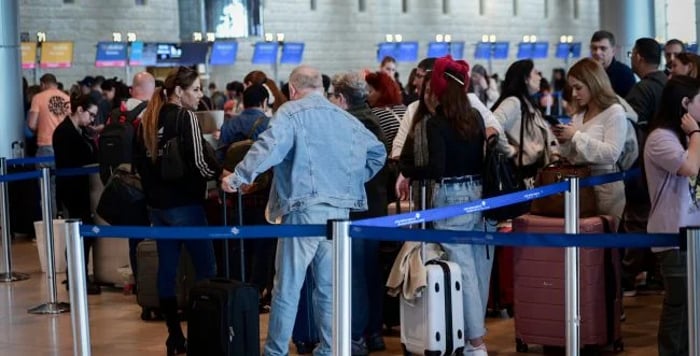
[[532, 143], [597, 132]]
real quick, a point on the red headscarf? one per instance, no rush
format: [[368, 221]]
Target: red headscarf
[[445, 69]]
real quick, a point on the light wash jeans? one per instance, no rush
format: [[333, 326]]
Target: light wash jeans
[[294, 255], [474, 260]]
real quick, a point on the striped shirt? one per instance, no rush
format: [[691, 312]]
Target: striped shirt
[[390, 119]]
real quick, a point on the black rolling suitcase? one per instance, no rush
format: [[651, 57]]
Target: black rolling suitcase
[[224, 318]]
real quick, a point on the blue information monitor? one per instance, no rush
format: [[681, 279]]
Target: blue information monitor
[[265, 53], [525, 50], [693, 48], [292, 52], [500, 50], [143, 54], [482, 50], [111, 54], [540, 50], [438, 49], [386, 49], [568, 50], [194, 53], [223, 53], [457, 50], [168, 54], [407, 51]]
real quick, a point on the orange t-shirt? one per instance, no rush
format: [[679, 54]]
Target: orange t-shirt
[[53, 106]]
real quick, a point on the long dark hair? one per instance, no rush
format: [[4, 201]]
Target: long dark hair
[[422, 112], [515, 84], [671, 109], [182, 77], [456, 108]]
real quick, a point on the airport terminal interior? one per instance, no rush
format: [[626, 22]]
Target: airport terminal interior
[[77, 42]]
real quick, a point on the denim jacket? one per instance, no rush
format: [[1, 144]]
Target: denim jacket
[[320, 154]]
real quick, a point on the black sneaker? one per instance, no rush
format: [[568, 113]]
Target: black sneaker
[[375, 342], [359, 347]]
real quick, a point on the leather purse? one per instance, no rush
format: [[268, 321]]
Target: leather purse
[[553, 205]]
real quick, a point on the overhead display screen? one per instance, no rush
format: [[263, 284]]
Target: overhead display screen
[[111, 54], [56, 54]]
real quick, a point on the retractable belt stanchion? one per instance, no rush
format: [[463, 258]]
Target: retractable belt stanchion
[[53, 306], [693, 275], [339, 231], [80, 320], [571, 268], [8, 275]]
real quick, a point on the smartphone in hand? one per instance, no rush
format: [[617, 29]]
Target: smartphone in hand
[[551, 120]]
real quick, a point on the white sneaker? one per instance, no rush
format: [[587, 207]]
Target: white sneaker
[[470, 350]]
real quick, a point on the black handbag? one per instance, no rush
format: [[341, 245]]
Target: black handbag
[[172, 164], [499, 178], [123, 201]]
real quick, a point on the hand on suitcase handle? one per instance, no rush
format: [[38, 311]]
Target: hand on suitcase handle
[[226, 184], [402, 187]]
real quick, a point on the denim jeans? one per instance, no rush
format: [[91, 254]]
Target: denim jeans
[[367, 288], [201, 251], [673, 325], [294, 255], [47, 151], [475, 261]]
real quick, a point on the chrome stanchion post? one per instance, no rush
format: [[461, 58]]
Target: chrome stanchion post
[[571, 268], [693, 275], [7, 275], [342, 275], [80, 320], [53, 306]]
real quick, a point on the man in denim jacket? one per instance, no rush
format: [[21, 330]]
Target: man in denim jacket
[[322, 156]]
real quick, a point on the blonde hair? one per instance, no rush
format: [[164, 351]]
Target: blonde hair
[[593, 76]]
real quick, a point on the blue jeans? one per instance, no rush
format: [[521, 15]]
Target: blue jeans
[[294, 255], [367, 288], [201, 251], [474, 260]]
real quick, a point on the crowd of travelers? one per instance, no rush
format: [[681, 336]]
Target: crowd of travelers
[[349, 145]]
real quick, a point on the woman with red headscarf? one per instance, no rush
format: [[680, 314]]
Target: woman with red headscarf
[[454, 159]]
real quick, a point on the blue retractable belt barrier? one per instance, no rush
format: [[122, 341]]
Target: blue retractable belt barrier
[[20, 176], [204, 232], [30, 160], [515, 239], [417, 217], [609, 178], [78, 171]]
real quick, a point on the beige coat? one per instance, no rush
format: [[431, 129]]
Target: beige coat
[[408, 275]]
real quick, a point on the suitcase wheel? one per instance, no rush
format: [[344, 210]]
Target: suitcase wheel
[[405, 352], [520, 346], [618, 345]]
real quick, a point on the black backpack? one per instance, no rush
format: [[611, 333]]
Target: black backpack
[[117, 138]]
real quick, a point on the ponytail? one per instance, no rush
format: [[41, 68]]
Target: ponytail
[[149, 122]]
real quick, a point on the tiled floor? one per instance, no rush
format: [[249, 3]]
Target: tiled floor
[[117, 330]]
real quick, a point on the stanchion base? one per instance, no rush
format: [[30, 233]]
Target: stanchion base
[[50, 308], [13, 277]]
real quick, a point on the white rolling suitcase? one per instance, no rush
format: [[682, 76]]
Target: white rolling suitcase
[[433, 324]]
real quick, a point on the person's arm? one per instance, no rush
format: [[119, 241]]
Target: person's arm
[[402, 133], [376, 153], [492, 90], [642, 101], [493, 126], [271, 147], [33, 115], [197, 154], [691, 165], [608, 149]]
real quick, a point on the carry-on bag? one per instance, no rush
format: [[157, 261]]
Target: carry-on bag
[[147, 279], [433, 323], [224, 314], [539, 280]]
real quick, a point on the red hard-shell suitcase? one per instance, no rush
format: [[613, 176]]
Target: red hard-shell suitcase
[[540, 288]]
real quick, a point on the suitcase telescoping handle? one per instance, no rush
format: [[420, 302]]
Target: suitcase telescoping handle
[[227, 260]]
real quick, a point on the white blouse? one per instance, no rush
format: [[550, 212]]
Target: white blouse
[[599, 141]]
